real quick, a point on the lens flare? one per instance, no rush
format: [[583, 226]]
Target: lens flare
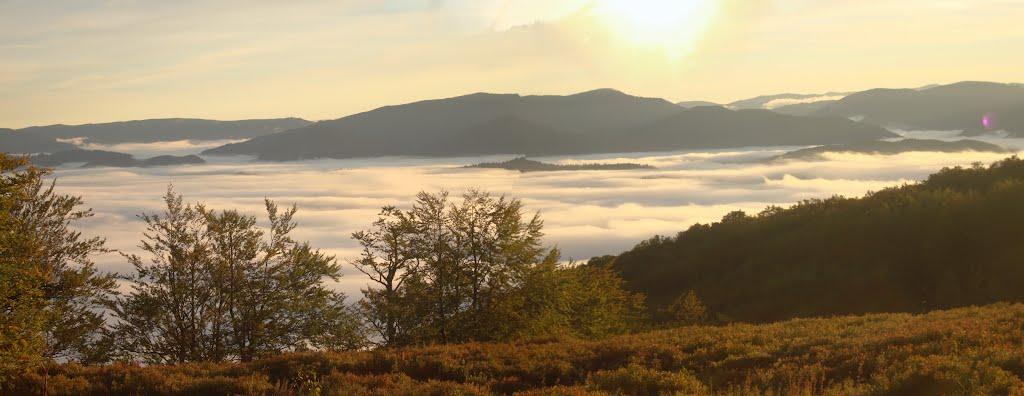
[[988, 121]]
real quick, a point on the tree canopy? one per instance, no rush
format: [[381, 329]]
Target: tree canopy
[[476, 270], [952, 240], [217, 287], [51, 294]]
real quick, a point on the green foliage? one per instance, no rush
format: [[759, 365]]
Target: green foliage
[[687, 310], [953, 240], [967, 351], [50, 290], [475, 270], [217, 287], [22, 321]]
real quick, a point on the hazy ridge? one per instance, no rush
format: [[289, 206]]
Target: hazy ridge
[[600, 121]]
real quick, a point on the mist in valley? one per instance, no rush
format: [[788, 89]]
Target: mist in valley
[[586, 213]]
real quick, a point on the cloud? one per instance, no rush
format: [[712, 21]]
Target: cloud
[[786, 102], [146, 150], [77, 62], [586, 213]]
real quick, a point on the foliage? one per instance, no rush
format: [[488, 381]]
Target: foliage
[[687, 310], [639, 380], [217, 287], [475, 270], [50, 290], [961, 351], [953, 240]]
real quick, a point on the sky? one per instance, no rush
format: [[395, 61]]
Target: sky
[[79, 61]]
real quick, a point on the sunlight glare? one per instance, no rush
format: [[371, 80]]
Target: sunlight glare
[[675, 26]]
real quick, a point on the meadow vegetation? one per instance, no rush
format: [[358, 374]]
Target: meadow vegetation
[[966, 351]]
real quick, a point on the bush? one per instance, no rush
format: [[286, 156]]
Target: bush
[[639, 380]]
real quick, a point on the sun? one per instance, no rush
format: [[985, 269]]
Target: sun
[[675, 26]]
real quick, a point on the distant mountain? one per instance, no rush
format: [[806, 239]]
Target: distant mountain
[[591, 122], [891, 148], [98, 158], [804, 109], [695, 103], [717, 127], [170, 129], [12, 141], [522, 164], [973, 107], [79, 156], [168, 160]]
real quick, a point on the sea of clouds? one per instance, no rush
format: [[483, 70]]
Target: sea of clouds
[[147, 150], [586, 213]]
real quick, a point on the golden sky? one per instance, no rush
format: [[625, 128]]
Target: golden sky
[[74, 61]]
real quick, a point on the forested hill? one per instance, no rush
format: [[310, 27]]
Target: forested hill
[[12, 141], [600, 121], [892, 148], [523, 164], [168, 129], [974, 107], [953, 240]]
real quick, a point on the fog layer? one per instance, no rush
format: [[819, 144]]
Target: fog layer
[[586, 213]]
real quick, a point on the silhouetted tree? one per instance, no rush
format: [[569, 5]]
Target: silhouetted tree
[[387, 258]]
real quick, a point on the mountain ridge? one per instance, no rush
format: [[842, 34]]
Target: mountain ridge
[[165, 129], [596, 121], [891, 148]]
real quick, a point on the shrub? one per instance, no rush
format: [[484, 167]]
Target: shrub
[[638, 380]]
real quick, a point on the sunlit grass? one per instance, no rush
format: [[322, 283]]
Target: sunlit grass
[[961, 351]]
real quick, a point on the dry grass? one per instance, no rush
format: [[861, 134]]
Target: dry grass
[[962, 351]]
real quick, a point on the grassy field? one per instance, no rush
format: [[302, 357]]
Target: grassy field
[[963, 351]]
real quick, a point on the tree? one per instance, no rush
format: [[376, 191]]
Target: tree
[[687, 310], [273, 291], [493, 246], [217, 287], [476, 270], [952, 240], [583, 301], [387, 258], [170, 313], [51, 294], [21, 326]]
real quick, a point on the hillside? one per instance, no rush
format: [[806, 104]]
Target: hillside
[[892, 148], [79, 156], [169, 129], [962, 351], [598, 121], [25, 143], [804, 109], [960, 106], [522, 164], [98, 158], [952, 240], [717, 127]]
